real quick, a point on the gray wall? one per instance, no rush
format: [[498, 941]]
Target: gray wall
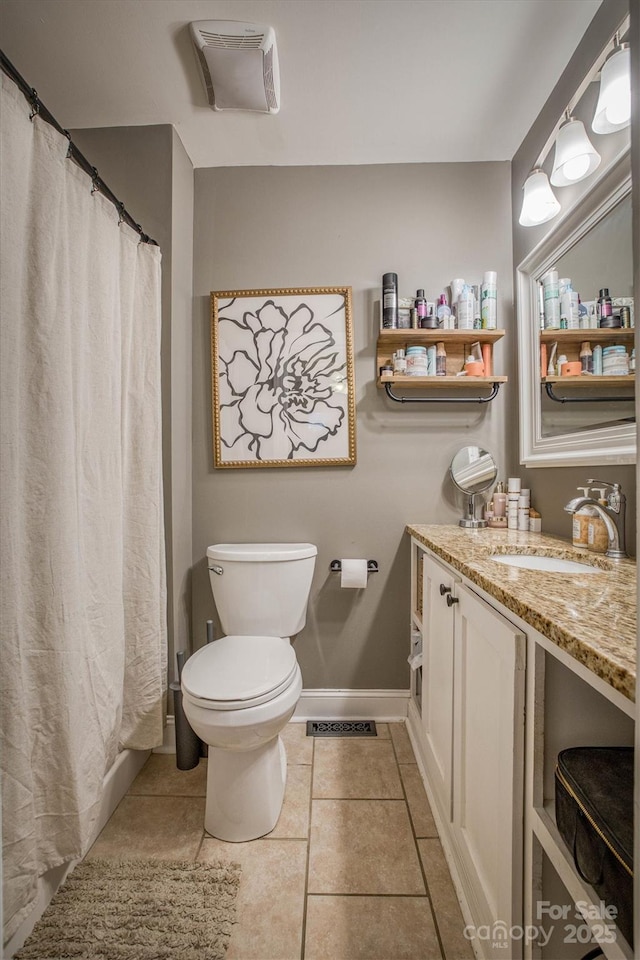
[[551, 488], [149, 171], [317, 226]]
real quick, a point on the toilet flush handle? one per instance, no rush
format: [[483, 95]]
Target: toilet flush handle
[[217, 570]]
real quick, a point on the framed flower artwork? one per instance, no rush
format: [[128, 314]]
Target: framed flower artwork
[[282, 377]]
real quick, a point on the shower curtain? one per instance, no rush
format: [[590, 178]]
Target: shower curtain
[[83, 578]]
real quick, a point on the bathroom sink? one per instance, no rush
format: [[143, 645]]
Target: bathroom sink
[[532, 561]]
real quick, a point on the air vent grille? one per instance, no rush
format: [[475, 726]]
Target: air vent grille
[[232, 41], [341, 728], [269, 89]]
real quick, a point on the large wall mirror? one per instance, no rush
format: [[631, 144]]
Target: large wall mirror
[[579, 420]]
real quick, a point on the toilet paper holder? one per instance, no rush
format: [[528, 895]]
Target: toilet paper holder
[[336, 566]]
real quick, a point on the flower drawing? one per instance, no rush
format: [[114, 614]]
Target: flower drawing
[[281, 377]]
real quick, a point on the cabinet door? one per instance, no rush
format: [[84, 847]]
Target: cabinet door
[[489, 761], [437, 680]]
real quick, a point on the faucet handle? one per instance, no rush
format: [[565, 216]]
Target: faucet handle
[[615, 487], [616, 499]]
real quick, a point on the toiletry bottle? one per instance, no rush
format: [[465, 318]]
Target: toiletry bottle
[[597, 360], [535, 521], [431, 361], [581, 518], [583, 315], [400, 362], [489, 307], [586, 357], [605, 307], [541, 306], [421, 306], [443, 312], [487, 359], [499, 500], [573, 318], [465, 309], [390, 301], [550, 283], [477, 306], [569, 317], [632, 361], [597, 536], [441, 359]]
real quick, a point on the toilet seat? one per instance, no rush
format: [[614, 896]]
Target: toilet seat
[[234, 672]]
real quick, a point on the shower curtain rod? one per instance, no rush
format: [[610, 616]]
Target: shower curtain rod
[[98, 184]]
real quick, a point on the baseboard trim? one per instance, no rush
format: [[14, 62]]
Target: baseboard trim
[[381, 705]]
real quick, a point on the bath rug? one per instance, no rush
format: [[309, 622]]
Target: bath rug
[[138, 910]]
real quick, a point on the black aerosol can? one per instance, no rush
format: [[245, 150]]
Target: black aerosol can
[[390, 301]]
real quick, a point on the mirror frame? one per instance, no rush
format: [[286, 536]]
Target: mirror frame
[[603, 445]]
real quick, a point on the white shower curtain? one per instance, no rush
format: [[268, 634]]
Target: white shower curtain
[[83, 659]]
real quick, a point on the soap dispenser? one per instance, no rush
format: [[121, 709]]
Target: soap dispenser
[[597, 536], [581, 520]]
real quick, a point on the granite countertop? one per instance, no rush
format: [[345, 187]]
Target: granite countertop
[[592, 616]]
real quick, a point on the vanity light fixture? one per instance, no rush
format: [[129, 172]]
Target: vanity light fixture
[[539, 203], [576, 157], [613, 111]]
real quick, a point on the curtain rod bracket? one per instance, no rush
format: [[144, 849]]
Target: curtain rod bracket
[[34, 100]]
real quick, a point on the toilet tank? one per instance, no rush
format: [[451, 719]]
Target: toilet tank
[[261, 588]]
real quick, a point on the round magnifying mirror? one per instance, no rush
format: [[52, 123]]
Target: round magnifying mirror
[[473, 470]]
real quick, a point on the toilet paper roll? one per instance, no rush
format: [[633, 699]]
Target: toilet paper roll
[[354, 574]]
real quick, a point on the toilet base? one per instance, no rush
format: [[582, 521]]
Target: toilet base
[[245, 790]]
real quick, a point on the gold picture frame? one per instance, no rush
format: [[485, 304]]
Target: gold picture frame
[[282, 377]]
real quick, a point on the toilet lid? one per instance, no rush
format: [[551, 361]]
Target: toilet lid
[[239, 668]]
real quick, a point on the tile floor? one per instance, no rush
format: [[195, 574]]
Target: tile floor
[[353, 870]]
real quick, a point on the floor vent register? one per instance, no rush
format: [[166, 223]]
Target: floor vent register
[[341, 728]]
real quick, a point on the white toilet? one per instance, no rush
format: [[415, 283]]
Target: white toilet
[[239, 691]]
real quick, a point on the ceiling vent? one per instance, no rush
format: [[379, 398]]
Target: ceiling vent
[[239, 64]]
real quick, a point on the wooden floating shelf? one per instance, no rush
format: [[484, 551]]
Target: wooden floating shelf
[[590, 380], [403, 381], [457, 346], [421, 337], [595, 335]]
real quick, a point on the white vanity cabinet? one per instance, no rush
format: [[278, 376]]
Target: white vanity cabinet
[[470, 739], [498, 701], [439, 591]]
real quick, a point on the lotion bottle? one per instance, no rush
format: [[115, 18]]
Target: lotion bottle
[[500, 501]]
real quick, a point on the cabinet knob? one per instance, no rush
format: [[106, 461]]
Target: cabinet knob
[[451, 600], [444, 589]]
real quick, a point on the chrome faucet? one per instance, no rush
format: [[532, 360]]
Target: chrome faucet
[[613, 514]]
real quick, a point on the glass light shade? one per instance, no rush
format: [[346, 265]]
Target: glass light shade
[[613, 111], [576, 157], [539, 203]]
